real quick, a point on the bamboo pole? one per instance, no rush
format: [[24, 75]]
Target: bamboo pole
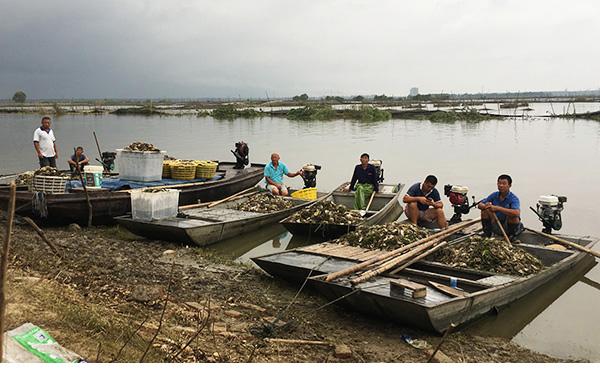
[[213, 203], [4, 262], [411, 255], [438, 236], [87, 195], [42, 236], [297, 342], [247, 190], [567, 243], [501, 228]]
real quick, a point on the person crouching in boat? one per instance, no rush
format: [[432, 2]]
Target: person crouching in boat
[[83, 160], [506, 206], [423, 203], [274, 172], [363, 182]]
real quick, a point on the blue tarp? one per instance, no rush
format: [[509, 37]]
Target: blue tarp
[[114, 184]]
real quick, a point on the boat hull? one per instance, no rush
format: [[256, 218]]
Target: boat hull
[[72, 207]]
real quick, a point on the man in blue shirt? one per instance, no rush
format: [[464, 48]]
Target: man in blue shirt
[[506, 206], [423, 203], [274, 172]]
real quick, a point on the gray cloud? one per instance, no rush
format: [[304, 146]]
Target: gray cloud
[[70, 49]]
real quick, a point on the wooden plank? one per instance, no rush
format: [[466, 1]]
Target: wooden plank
[[418, 290], [448, 290]]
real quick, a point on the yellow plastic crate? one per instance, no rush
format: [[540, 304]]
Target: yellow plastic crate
[[306, 194]]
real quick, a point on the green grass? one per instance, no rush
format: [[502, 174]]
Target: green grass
[[229, 112]]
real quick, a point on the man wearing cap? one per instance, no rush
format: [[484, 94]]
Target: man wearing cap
[[274, 172], [44, 143]]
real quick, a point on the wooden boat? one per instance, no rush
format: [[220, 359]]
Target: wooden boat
[[483, 291], [71, 207], [205, 226], [385, 208]]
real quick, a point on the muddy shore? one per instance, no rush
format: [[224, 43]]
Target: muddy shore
[[95, 298]]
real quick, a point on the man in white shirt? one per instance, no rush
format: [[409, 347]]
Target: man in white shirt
[[44, 143]]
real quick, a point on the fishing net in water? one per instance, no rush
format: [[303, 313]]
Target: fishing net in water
[[384, 237], [489, 254]]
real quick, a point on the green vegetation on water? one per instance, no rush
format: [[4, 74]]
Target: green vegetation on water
[[230, 112], [440, 116], [326, 112]]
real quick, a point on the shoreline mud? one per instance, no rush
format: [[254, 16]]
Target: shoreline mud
[[95, 299]]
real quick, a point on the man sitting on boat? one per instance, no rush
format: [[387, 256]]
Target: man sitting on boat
[[274, 172], [79, 155], [506, 206], [423, 203], [363, 182]]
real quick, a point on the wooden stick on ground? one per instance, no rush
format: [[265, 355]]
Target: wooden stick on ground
[[297, 342], [43, 236], [4, 262], [390, 254], [567, 243], [501, 228]]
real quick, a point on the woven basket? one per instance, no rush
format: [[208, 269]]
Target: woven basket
[[206, 169], [183, 170], [166, 169], [49, 184]]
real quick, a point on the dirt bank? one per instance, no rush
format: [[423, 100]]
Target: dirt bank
[[96, 297]]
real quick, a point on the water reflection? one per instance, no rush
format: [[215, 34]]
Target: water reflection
[[511, 319]]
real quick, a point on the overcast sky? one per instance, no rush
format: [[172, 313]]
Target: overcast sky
[[193, 48]]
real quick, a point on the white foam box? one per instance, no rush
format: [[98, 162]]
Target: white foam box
[[142, 166], [149, 206]]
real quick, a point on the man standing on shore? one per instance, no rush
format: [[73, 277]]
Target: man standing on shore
[[44, 143]]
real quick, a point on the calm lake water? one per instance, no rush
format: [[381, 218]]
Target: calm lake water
[[543, 156]]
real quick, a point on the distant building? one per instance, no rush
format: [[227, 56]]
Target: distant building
[[413, 91]]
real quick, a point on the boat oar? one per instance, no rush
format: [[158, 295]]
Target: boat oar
[[565, 242], [87, 195], [501, 228], [364, 212], [232, 197], [213, 203], [100, 153]]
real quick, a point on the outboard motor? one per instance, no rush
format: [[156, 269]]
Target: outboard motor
[[459, 200], [241, 155], [309, 175], [378, 169], [548, 209], [108, 160]]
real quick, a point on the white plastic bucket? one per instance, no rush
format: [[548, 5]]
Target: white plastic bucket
[[93, 175]]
